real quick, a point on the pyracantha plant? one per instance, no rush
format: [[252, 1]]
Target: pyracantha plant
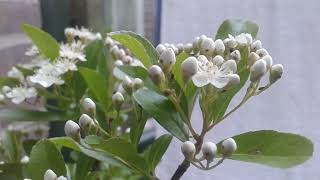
[[106, 87]]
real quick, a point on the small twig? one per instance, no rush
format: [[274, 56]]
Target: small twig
[[181, 170]]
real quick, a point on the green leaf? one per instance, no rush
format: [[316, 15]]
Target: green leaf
[[120, 148], [84, 165], [176, 70], [11, 171], [272, 148], [138, 46], [44, 155], [157, 150], [46, 44], [97, 85], [8, 81], [30, 115], [220, 105], [98, 155], [12, 144], [164, 112], [236, 27], [137, 126]]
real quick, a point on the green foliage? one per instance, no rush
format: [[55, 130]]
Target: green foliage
[[155, 153], [44, 155], [236, 27], [84, 165], [138, 45], [164, 112], [8, 81], [11, 171], [97, 85], [31, 115], [272, 148], [12, 145], [46, 44]]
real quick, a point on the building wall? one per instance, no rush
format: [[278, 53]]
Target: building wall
[[290, 31]]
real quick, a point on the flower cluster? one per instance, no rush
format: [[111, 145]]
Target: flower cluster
[[44, 73]]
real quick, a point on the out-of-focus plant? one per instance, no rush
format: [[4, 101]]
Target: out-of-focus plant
[[106, 87]]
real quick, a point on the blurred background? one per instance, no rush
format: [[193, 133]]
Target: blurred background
[[288, 29]]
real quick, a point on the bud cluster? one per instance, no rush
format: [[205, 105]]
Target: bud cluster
[[51, 175]]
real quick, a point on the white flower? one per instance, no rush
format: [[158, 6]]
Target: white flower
[[15, 73], [73, 51], [219, 46], [33, 51], [256, 45], [212, 74], [244, 39], [47, 75], [19, 94], [65, 65], [189, 67], [167, 59], [230, 42], [229, 146], [276, 72], [209, 150], [217, 60], [235, 55], [49, 175], [72, 129], [196, 44], [257, 70], [70, 33], [262, 52], [187, 48], [160, 48], [268, 60], [61, 178], [188, 149]]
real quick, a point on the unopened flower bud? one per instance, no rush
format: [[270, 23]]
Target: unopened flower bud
[[167, 60], [127, 59], [217, 60], [156, 74], [230, 43], [201, 38], [229, 146], [262, 52], [234, 79], [276, 72], [49, 175], [115, 51], [235, 55], [70, 33], [188, 149], [252, 58], [121, 54], [189, 67], [109, 42], [6, 89], [160, 48], [174, 48], [62, 178], [219, 47], [2, 98], [88, 105], [187, 48], [196, 44], [256, 45], [180, 47], [85, 121], [118, 63], [117, 100], [137, 83], [268, 60], [258, 69], [72, 130], [249, 38], [207, 47], [25, 160], [127, 84], [209, 150]]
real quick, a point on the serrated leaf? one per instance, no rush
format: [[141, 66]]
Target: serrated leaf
[[157, 150], [236, 27], [44, 155], [97, 85], [46, 44], [31, 115], [163, 111], [138, 46], [272, 148]]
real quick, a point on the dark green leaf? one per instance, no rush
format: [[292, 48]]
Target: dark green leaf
[[30, 115], [236, 27], [162, 109], [97, 85], [84, 165], [8, 81], [137, 126], [11, 171], [272, 148], [44, 155], [157, 150], [138, 46], [176, 70], [120, 148], [46, 44]]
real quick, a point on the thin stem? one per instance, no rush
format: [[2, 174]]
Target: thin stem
[[181, 170], [200, 167], [217, 164]]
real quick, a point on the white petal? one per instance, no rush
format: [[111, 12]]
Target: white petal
[[228, 67], [200, 79], [219, 81]]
